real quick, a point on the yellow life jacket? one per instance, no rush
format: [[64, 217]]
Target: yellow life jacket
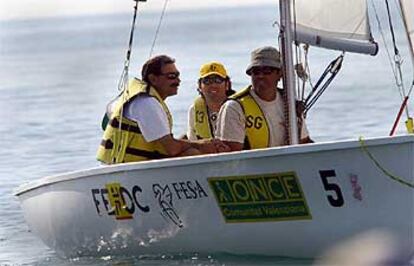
[[202, 126], [257, 129], [125, 143]]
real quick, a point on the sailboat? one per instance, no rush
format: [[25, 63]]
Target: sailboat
[[294, 200]]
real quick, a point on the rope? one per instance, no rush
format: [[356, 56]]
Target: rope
[[395, 64], [397, 58], [124, 79], [158, 27], [410, 42], [411, 89], [398, 73], [400, 82], [391, 28], [124, 75], [386, 172], [384, 41]]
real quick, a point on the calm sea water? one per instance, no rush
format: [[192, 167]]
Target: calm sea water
[[57, 74]]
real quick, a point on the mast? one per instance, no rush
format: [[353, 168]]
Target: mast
[[288, 73]]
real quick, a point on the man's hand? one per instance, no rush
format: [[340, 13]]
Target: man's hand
[[206, 146], [220, 146], [212, 146]]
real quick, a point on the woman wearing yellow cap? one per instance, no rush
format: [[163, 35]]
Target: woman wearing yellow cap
[[214, 86]]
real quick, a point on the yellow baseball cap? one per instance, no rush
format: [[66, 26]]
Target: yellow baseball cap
[[213, 68]]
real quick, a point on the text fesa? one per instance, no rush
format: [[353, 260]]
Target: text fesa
[[186, 190]]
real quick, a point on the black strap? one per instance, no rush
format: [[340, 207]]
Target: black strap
[[147, 154], [246, 144], [108, 144], [115, 124]]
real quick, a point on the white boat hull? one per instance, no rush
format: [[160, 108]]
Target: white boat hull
[[289, 201]]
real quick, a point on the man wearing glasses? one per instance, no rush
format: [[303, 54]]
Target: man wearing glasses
[[254, 117], [214, 86], [140, 125]]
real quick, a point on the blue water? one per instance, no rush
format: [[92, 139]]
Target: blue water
[[57, 74]]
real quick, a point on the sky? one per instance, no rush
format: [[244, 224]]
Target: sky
[[21, 9]]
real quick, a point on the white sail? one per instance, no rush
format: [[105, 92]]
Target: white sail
[[407, 7], [335, 24]]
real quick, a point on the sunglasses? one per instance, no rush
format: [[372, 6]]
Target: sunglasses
[[171, 75], [211, 80], [262, 70]]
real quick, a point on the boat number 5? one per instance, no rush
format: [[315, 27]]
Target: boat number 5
[[338, 199]]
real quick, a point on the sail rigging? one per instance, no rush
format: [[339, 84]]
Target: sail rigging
[[407, 9], [335, 24]]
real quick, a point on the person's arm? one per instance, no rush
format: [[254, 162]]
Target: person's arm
[[304, 134], [206, 146], [231, 125], [234, 146], [153, 123], [176, 147], [306, 140], [191, 135], [180, 147]]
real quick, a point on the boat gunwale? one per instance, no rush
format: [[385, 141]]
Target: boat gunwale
[[208, 158]]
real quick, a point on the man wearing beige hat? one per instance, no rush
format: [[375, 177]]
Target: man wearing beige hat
[[214, 86], [254, 117]]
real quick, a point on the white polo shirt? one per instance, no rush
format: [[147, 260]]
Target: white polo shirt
[[150, 116]]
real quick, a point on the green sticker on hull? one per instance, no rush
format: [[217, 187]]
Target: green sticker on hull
[[260, 198]]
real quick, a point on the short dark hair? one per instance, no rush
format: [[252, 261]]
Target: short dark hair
[[154, 66]]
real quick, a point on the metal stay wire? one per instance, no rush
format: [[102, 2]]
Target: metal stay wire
[[395, 65], [124, 79], [397, 58], [403, 18], [157, 31], [123, 83], [399, 79], [384, 41]]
